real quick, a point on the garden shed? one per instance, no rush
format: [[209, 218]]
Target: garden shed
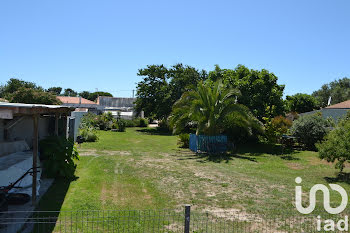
[[21, 128]]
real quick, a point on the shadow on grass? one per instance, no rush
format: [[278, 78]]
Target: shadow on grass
[[341, 177], [217, 158], [52, 201], [259, 149], [154, 131]]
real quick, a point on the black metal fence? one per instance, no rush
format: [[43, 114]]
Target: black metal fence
[[183, 220]]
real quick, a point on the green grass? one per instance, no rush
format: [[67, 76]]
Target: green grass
[[142, 169]]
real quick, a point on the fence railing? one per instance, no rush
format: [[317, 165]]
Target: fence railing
[[209, 144], [183, 220]]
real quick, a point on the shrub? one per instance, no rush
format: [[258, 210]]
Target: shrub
[[310, 129], [88, 134], [276, 127], [88, 121], [121, 125], [184, 140], [59, 154], [129, 123], [143, 122], [241, 126], [140, 122]]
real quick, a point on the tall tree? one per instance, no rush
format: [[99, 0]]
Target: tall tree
[[259, 89], [301, 103], [84, 94], [207, 106], [93, 96], [338, 90], [70, 92], [14, 84], [55, 90], [162, 87], [32, 96]]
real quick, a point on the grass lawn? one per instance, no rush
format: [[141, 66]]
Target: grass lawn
[[141, 169]]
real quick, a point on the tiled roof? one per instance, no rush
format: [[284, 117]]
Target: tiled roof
[[345, 104], [74, 100]]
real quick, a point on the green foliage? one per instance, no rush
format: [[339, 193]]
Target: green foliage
[[84, 94], [336, 145], [242, 126], [55, 90], [339, 90], [88, 121], [119, 125], [301, 103], [32, 96], [259, 89], [207, 107], [93, 96], [14, 85], [184, 140], [310, 129], [162, 87], [59, 154], [276, 127], [70, 92], [139, 122], [88, 134]]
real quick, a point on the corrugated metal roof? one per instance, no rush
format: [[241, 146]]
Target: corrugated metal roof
[[20, 105]]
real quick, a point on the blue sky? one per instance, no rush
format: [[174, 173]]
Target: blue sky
[[101, 44]]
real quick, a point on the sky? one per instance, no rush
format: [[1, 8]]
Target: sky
[[100, 45]]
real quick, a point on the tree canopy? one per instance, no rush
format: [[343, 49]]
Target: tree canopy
[[32, 96], [338, 90], [301, 103], [259, 89], [70, 92], [55, 90], [335, 147], [161, 87], [93, 96]]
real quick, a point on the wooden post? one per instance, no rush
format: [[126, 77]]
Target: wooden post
[[56, 124], [35, 155], [64, 118], [187, 218]]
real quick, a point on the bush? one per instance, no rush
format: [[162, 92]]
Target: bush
[[121, 125], [184, 140], [276, 127], [336, 145], [242, 126], [88, 121], [129, 123], [59, 154], [310, 129], [88, 134], [140, 122]]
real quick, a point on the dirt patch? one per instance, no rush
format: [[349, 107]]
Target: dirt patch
[[295, 166], [93, 152]]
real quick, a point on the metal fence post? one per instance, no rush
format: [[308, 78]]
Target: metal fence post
[[187, 218]]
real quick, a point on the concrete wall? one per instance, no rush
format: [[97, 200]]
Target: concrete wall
[[116, 102], [23, 130], [77, 116]]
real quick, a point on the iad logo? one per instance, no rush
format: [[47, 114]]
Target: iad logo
[[329, 224], [326, 198]]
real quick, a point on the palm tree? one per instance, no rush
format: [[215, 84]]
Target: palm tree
[[207, 107]]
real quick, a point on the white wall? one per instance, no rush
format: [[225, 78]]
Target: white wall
[[23, 130]]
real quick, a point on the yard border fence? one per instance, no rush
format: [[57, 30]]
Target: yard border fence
[[181, 220]]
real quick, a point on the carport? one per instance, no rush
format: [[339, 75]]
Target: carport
[[12, 114]]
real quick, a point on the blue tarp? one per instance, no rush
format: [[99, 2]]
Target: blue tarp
[[209, 144]]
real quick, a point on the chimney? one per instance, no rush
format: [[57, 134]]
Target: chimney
[[79, 100]]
